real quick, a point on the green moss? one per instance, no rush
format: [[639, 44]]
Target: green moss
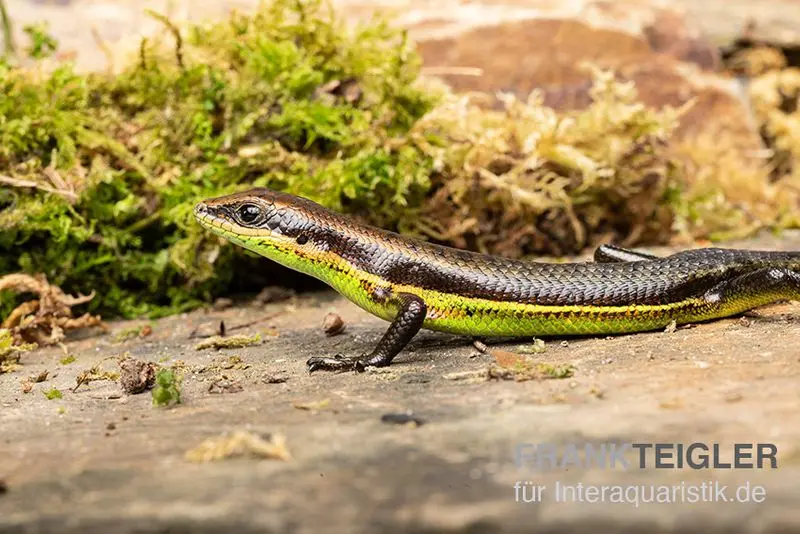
[[103, 171], [557, 371], [167, 389], [129, 333], [42, 43], [537, 347], [10, 352], [53, 393], [66, 360]]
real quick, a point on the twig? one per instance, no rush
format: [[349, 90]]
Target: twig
[[34, 185], [143, 53], [175, 32], [224, 330], [453, 71], [8, 30], [480, 345], [52, 174], [260, 319]]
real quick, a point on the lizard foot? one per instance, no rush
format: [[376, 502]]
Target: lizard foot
[[338, 363]]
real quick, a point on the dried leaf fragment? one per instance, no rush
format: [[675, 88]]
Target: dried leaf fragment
[[10, 350], [240, 443], [94, 374], [312, 406], [44, 320], [231, 342]]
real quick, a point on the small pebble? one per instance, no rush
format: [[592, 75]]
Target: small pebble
[[402, 419], [333, 324], [225, 386], [274, 379], [733, 397]]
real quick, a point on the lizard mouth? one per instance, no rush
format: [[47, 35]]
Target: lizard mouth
[[213, 220], [200, 209], [207, 217]]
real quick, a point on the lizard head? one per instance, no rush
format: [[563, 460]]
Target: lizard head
[[261, 216]]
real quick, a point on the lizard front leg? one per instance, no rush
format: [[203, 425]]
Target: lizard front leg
[[410, 316]]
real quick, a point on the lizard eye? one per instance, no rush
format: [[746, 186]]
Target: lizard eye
[[249, 213]]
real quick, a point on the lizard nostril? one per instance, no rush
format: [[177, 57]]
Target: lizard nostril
[[200, 208]]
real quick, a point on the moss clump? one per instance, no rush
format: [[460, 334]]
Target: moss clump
[[530, 180], [519, 367], [53, 393], [240, 443], [133, 332], [95, 373], [726, 200], [776, 103], [99, 173], [10, 350], [167, 389]]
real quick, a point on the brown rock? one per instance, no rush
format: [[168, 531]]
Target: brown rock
[[522, 45], [333, 324]]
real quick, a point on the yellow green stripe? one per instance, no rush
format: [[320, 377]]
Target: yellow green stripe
[[480, 317]]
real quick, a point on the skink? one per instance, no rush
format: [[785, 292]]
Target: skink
[[415, 284]]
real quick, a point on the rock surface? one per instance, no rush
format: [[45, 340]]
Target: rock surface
[[100, 461], [522, 46]]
